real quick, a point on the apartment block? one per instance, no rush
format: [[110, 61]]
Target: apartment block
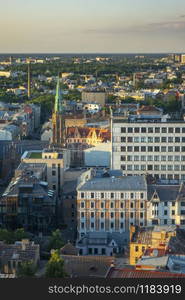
[[146, 144], [107, 204]]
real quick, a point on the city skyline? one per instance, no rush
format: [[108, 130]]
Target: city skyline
[[92, 26]]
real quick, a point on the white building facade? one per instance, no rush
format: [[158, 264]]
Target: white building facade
[[149, 147]]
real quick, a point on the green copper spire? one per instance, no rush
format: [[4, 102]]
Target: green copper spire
[[58, 99]]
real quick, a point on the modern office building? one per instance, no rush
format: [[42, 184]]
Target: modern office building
[[149, 144]]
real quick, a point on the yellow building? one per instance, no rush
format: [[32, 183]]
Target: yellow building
[[145, 238]]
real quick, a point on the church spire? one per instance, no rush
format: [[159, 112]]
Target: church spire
[[58, 98]]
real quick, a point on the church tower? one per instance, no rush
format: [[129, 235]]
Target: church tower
[[58, 121]]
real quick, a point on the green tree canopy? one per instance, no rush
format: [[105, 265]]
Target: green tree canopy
[[26, 269], [55, 241], [55, 266]]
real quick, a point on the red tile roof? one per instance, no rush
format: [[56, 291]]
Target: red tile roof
[[129, 273]]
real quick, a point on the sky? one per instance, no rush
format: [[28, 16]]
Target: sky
[[92, 26]]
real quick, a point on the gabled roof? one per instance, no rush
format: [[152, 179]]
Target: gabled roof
[[165, 192]]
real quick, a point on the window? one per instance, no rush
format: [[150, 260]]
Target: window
[[112, 195], [112, 215], [173, 212], [53, 166], [157, 130], [82, 225], [156, 168], [82, 195], [132, 195], [112, 205], [157, 139], [150, 130], [136, 130], [129, 158], [163, 158], [163, 140], [82, 215], [143, 130], [129, 149], [156, 149], [123, 130], [136, 149], [131, 215], [122, 205], [54, 187], [136, 168], [92, 225], [177, 158], [150, 139], [164, 130], [92, 204], [92, 195], [173, 203], [165, 222], [150, 167], [163, 168], [136, 248], [111, 225], [123, 139], [141, 205], [177, 130], [170, 130], [102, 204], [156, 158], [143, 158], [102, 225], [183, 212], [122, 215], [122, 196], [136, 158], [92, 215], [82, 204], [163, 149], [170, 139], [102, 196], [165, 212], [173, 222], [183, 130], [177, 140], [182, 222], [102, 215], [143, 167], [121, 225], [182, 203], [150, 149], [170, 149], [129, 139], [142, 195], [130, 130], [141, 215], [177, 149], [143, 149], [123, 149], [53, 173]]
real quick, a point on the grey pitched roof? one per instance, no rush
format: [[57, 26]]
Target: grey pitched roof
[[126, 183], [165, 192]]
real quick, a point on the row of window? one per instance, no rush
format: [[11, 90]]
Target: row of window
[[150, 149], [114, 195], [102, 225], [112, 205], [150, 139], [111, 215], [153, 130], [153, 167], [152, 158]]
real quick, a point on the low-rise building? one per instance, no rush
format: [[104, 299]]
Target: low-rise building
[[13, 255]]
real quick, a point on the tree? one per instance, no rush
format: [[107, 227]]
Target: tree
[[55, 266], [9, 236], [55, 241], [26, 269]]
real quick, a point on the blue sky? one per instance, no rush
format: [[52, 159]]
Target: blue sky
[[92, 26]]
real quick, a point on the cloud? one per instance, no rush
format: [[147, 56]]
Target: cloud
[[171, 26]]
